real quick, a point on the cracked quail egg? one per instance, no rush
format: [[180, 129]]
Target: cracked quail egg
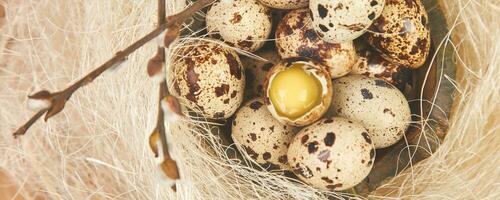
[[402, 33], [209, 78], [344, 20], [263, 138], [295, 38], [244, 24], [377, 105], [298, 93], [332, 154]]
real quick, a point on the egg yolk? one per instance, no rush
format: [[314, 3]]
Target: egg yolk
[[294, 92]]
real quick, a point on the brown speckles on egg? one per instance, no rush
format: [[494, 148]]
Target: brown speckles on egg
[[250, 152], [266, 156], [366, 94], [329, 159], [246, 29], [295, 38], [329, 139], [367, 137], [327, 180], [221, 90], [406, 26], [312, 147], [324, 155], [347, 19], [322, 11], [263, 134], [382, 109], [206, 85], [304, 139], [256, 105]]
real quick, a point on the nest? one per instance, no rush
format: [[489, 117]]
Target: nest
[[98, 149]]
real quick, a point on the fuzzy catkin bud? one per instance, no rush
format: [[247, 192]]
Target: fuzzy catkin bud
[[171, 109], [40, 100]]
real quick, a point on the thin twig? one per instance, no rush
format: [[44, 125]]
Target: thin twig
[[172, 170], [59, 99]]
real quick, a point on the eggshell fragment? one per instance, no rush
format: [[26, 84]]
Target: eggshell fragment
[[317, 111], [295, 38], [377, 105], [344, 20], [332, 154], [244, 24], [264, 139], [402, 33], [209, 78]]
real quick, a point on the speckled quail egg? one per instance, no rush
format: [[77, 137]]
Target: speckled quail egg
[[256, 71], [209, 77], [263, 138], [371, 64], [285, 4], [377, 105], [344, 20], [244, 24], [402, 33], [332, 154], [295, 38], [298, 93]]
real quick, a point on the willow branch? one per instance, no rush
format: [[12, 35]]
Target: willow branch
[[59, 99]]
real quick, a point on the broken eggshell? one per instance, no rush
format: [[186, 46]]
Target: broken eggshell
[[295, 38], [313, 113], [209, 78]]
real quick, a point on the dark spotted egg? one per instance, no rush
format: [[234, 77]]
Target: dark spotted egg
[[256, 71], [344, 20], [377, 105], [261, 137], [371, 64], [208, 77], [295, 38], [244, 24], [332, 154], [402, 33]]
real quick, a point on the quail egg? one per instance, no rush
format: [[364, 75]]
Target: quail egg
[[344, 20], [377, 105], [295, 38], [298, 93], [244, 24], [285, 4], [332, 154], [256, 71], [402, 33], [263, 138], [371, 64], [209, 77]]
